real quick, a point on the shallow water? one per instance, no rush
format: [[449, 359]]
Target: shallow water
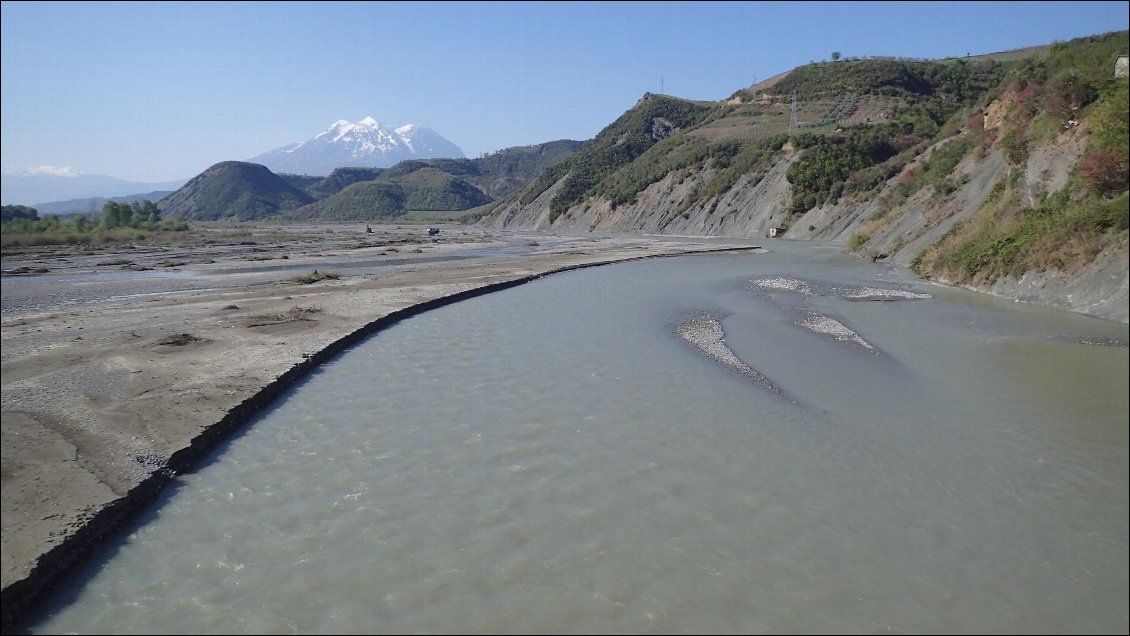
[[555, 458]]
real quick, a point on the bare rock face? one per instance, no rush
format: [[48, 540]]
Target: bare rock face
[[661, 128], [1100, 289]]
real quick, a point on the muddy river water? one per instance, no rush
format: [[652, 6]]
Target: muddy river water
[[790, 441]]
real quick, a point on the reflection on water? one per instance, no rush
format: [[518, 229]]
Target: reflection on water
[[554, 458]]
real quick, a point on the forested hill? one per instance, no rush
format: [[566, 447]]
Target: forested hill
[[233, 189]]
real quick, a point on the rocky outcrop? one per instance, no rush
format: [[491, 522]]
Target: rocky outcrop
[[1099, 289]]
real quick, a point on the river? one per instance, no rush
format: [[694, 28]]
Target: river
[[861, 452]]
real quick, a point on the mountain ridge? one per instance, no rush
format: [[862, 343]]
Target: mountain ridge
[[249, 191], [36, 186]]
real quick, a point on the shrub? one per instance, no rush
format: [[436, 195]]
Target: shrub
[[314, 277]]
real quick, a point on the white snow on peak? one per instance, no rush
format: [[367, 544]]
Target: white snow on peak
[[347, 131], [336, 129], [35, 171], [362, 143]]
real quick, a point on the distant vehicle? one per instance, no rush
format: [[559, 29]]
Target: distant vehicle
[[432, 231]]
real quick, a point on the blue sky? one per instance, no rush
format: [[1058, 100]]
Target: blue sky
[[160, 91]]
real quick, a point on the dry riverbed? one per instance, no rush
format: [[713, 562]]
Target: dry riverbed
[[123, 365]]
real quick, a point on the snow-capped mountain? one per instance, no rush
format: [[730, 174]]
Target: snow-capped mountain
[[363, 144]]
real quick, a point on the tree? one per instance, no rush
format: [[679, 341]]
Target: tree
[[115, 214], [835, 56], [14, 212], [136, 216], [152, 214]]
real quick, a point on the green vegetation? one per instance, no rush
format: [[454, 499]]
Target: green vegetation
[[944, 159], [300, 181], [821, 172], [892, 128], [433, 189], [456, 167], [340, 179], [1069, 228], [429, 185], [115, 215], [662, 136], [680, 154], [1004, 239], [497, 175], [857, 239], [119, 222], [1105, 167], [503, 172], [233, 189], [365, 200], [1047, 92], [401, 189], [956, 81], [930, 99], [90, 206], [937, 170], [735, 160], [653, 119], [16, 212], [675, 153]]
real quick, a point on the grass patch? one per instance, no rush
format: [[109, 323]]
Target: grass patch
[[1003, 239]]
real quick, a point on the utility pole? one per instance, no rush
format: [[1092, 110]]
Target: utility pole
[[661, 85]]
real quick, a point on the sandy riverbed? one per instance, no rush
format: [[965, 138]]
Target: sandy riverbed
[[123, 365]]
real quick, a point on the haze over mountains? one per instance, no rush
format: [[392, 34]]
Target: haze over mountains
[[43, 184], [363, 144]]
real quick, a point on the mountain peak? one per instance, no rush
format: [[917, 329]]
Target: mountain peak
[[364, 144]]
